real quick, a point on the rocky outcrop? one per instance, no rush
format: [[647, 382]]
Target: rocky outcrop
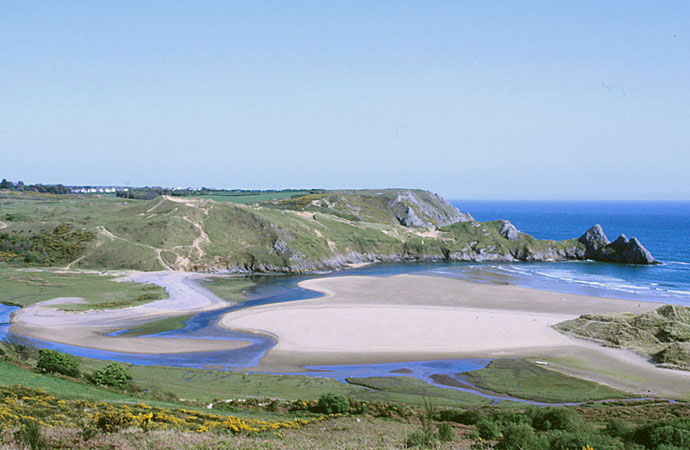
[[594, 239], [407, 217], [508, 230], [622, 250], [425, 209]]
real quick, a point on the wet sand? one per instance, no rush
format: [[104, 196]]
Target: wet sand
[[89, 328], [417, 317]]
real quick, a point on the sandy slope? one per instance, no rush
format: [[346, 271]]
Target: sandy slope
[[406, 317], [88, 328]]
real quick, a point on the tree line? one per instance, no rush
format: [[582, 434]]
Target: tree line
[[42, 188]]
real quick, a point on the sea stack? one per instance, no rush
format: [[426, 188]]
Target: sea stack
[[622, 250]]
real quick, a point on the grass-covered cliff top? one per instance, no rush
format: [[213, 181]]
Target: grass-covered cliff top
[[663, 335], [299, 232]]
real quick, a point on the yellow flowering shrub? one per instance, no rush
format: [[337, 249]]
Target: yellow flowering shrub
[[19, 403]]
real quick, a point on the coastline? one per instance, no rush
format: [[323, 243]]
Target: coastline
[[362, 320], [372, 319], [89, 329]]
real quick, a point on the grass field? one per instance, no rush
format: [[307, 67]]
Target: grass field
[[409, 389], [523, 379], [231, 287], [158, 326], [25, 287]]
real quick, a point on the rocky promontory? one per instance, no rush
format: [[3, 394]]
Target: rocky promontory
[[310, 231], [622, 250]]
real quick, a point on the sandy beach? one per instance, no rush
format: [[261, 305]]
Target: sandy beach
[[421, 314], [89, 328], [415, 317]]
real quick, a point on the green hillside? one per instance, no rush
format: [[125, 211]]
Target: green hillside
[[315, 231]]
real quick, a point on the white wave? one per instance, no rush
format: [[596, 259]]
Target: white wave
[[679, 292]]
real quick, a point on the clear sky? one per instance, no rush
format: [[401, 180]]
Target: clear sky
[[477, 99]]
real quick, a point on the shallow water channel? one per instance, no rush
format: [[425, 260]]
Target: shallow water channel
[[278, 289]]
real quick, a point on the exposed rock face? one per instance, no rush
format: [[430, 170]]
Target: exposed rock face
[[622, 250], [407, 217], [594, 238], [431, 210], [508, 230]]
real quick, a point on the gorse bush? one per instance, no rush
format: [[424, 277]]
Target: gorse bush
[[63, 243], [333, 404], [112, 421], [53, 361], [113, 375], [30, 435]]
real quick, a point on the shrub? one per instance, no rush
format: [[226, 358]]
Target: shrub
[[53, 361], [114, 375], [22, 347], [29, 434], [551, 418], [675, 432], [488, 429], [567, 440], [333, 404], [519, 436], [618, 428], [113, 421], [417, 438], [445, 432], [467, 417]]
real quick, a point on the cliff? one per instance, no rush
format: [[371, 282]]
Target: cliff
[[313, 231]]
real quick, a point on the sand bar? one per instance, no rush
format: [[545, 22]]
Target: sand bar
[[417, 317], [89, 328]]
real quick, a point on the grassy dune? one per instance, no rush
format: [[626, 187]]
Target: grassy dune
[[25, 287], [663, 335]]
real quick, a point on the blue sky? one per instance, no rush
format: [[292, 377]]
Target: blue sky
[[468, 99]]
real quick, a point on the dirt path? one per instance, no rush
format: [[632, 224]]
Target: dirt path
[[202, 239], [104, 232]]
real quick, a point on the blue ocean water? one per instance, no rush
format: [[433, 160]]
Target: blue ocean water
[[663, 227]]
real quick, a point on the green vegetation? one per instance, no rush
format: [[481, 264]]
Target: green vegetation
[[124, 417], [113, 375], [414, 391], [333, 404], [56, 189], [22, 288], [522, 379], [232, 288], [62, 244], [158, 326], [245, 196], [662, 334], [292, 231], [53, 361]]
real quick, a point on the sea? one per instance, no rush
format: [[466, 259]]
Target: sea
[[663, 227]]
